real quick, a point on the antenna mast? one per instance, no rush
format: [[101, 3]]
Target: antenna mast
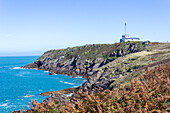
[[125, 28]]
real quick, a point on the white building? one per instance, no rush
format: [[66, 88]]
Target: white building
[[126, 37]]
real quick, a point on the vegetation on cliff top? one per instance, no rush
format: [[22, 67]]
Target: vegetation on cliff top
[[91, 51]]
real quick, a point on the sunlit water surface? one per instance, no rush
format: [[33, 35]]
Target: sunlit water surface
[[18, 86]]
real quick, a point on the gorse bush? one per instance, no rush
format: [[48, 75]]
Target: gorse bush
[[148, 93]]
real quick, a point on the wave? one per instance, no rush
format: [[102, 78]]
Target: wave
[[20, 75], [27, 96], [16, 68], [23, 68], [46, 71], [69, 95], [69, 83], [76, 86], [79, 77], [61, 81], [4, 105], [6, 66]]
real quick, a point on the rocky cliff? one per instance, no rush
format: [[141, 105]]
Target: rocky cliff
[[104, 65], [83, 60], [89, 61]]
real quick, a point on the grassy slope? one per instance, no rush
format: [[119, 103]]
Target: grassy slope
[[143, 58]]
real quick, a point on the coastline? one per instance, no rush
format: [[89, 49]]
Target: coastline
[[63, 91], [52, 72], [71, 90], [104, 74]]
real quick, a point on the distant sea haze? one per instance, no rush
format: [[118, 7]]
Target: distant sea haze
[[18, 86], [32, 53]]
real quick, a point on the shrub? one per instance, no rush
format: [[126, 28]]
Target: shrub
[[148, 93]]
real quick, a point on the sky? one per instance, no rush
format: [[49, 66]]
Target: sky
[[31, 27]]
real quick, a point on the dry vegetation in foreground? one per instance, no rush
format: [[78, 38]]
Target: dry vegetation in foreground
[[148, 93]]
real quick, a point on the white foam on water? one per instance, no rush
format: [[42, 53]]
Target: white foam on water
[[76, 86], [23, 68], [40, 90], [17, 68], [4, 105], [78, 77], [69, 95], [46, 71], [6, 66], [69, 83], [61, 81], [6, 100], [20, 75], [27, 96]]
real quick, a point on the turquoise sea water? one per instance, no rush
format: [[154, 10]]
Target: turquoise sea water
[[17, 85]]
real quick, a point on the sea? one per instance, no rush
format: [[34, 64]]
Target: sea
[[19, 86]]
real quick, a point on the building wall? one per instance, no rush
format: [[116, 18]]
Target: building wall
[[131, 40], [126, 38]]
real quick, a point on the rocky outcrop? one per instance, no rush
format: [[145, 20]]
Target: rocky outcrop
[[61, 98], [83, 60], [63, 91], [101, 64]]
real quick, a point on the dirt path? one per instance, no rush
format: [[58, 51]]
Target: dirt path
[[152, 65]]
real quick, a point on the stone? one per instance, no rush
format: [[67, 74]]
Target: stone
[[132, 59], [61, 98], [51, 73]]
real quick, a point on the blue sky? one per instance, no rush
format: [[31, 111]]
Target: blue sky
[[30, 27]]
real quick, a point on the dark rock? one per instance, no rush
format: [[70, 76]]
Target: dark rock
[[102, 64], [31, 65], [129, 70], [73, 63], [112, 54], [61, 98], [118, 53], [132, 59], [51, 73]]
